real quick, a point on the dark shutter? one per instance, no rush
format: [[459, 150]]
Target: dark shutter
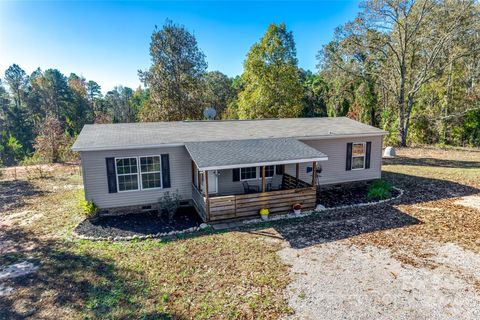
[[236, 174], [111, 177], [280, 169], [165, 171], [367, 155], [348, 165]]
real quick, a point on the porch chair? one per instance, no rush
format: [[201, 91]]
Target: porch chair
[[248, 188]]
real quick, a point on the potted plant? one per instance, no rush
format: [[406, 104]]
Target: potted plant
[[297, 208], [264, 214]]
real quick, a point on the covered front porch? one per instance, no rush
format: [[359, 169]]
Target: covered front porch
[[245, 176]]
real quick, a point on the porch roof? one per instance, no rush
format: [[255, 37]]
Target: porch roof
[[211, 155]]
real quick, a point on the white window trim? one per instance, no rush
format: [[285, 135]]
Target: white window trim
[[364, 155], [139, 174], [258, 175], [126, 174]]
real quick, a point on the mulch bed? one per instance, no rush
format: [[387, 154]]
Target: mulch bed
[[139, 224], [346, 195]]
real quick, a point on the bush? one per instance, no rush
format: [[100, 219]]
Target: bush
[[379, 190], [89, 208], [169, 203], [35, 168]]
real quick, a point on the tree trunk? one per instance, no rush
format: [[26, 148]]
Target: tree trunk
[[406, 125], [402, 135]]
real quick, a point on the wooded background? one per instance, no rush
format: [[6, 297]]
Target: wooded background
[[409, 67]]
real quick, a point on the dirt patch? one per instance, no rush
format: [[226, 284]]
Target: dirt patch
[[471, 202], [340, 281]]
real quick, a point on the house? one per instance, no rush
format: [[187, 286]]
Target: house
[[245, 165]]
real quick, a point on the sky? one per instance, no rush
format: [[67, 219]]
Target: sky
[[108, 42]]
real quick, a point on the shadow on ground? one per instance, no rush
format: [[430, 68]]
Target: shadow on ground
[[14, 193], [431, 162], [344, 223], [66, 283]]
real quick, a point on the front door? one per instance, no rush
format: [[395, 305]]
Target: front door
[[212, 182]]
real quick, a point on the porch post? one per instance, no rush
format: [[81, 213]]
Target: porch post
[[263, 178], [193, 172], [297, 174], [314, 175], [199, 180], [207, 199]]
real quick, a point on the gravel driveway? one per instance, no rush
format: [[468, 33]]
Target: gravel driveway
[[338, 280]]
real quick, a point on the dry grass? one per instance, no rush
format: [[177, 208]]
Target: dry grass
[[234, 275], [211, 276], [434, 180]]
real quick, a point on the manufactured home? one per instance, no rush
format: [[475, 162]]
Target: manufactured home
[[227, 169]]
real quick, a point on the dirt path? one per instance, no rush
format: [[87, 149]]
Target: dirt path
[[338, 280]]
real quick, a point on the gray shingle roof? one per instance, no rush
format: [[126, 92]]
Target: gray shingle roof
[[254, 152], [154, 134]]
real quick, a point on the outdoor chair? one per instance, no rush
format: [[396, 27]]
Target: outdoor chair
[[248, 188]]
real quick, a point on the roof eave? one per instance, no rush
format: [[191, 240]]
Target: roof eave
[[259, 164]]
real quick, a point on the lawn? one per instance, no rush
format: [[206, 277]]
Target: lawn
[[244, 274]]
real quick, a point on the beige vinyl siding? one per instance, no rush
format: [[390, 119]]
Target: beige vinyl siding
[[333, 170], [95, 177]]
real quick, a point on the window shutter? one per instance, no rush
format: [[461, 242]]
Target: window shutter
[[111, 176], [280, 169], [368, 151], [348, 165], [236, 174], [165, 171]]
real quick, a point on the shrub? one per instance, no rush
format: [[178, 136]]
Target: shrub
[[169, 203], [89, 208], [35, 167], [379, 190]]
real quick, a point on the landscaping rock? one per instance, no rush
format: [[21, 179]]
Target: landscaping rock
[[389, 152], [141, 225]]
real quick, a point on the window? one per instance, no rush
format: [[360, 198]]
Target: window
[[251, 173], [127, 174], [269, 171], [248, 173], [358, 156], [150, 172]]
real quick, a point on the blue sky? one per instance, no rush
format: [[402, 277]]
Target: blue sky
[[109, 41]]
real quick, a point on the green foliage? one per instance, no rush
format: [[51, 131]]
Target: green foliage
[[169, 203], [219, 91], [379, 190], [89, 208], [176, 76], [272, 80]]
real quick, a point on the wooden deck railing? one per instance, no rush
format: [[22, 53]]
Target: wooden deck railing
[[199, 202], [246, 205]]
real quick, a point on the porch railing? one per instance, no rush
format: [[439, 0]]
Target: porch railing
[[247, 205], [199, 202]]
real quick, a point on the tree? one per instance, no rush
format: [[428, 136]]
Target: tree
[[272, 80], [315, 94], [219, 91], [176, 76], [411, 41], [17, 118], [80, 109], [50, 141], [17, 81], [119, 106]]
